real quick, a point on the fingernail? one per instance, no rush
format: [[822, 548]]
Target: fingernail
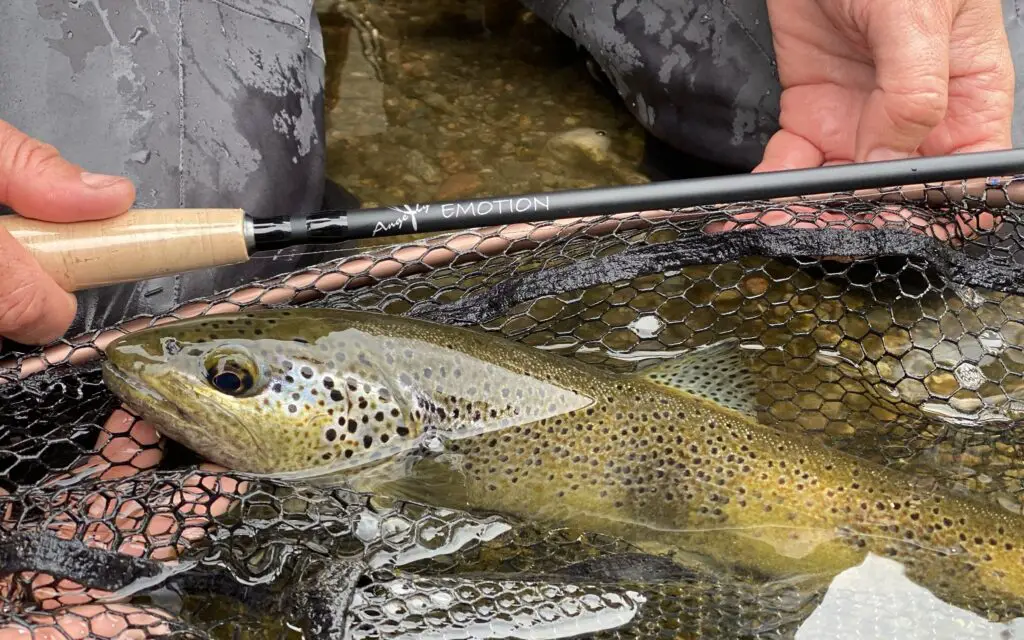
[[99, 181], [882, 154]]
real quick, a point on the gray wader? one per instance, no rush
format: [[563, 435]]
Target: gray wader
[[202, 103]]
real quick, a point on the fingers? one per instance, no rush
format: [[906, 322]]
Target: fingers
[[126, 445], [33, 308], [38, 183], [120, 621], [981, 89], [910, 44], [158, 523], [144, 517], [787, 150]]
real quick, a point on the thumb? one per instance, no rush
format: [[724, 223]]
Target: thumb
[[33, 307], [909, 42], [38, 183]]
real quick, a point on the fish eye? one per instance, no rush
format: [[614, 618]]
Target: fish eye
[[601, 132], [233, 373]]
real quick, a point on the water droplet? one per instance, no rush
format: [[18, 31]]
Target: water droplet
[[368, 527], [142, 156], [969, 296], [992, 342], [418, 603], [647, 326], [137, 35], [402, 588], [969, 376], [69, 35]]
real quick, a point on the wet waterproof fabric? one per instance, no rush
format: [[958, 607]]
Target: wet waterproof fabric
[[219, 103], [700, 74], [202, 103]]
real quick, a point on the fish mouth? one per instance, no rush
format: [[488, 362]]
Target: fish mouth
[[131, 390]]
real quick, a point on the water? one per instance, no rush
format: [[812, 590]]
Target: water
[[469, 97]]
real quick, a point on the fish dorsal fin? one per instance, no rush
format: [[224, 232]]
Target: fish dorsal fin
[[720, 372]]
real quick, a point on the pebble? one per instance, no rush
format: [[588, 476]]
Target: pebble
[[459, 185]]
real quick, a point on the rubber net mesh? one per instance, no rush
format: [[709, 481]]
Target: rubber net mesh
[[892, 327]]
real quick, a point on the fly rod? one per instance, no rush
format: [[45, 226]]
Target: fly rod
[[146, 243]]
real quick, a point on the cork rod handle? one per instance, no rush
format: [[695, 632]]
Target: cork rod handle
[[139, 244]]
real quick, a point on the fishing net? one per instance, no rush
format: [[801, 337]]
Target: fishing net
[[890, 325]]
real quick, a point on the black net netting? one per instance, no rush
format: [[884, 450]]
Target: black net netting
[[891, 327]]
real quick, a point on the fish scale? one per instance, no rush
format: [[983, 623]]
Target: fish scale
[[542, 437]]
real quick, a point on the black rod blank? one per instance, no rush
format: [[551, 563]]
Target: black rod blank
[[337, 226]]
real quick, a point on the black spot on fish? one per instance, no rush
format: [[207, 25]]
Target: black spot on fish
[[353, 426], [402, 431], [328, 382], [336, 395], [379, 416], [292, 408], [331, 434], [348, 453], [384, 438], [306, 372], [367, 441]]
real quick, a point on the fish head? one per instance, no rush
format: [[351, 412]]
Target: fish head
[[264, 393]]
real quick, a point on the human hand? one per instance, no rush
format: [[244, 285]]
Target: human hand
[[134, 514], [867, 80], [36, 182]]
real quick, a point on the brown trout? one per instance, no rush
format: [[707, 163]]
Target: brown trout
[[668, 459]]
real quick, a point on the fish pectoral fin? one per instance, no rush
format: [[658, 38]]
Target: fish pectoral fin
[[372, 478], [436, 481], [721, 372], [792, 542], [634, 567]]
